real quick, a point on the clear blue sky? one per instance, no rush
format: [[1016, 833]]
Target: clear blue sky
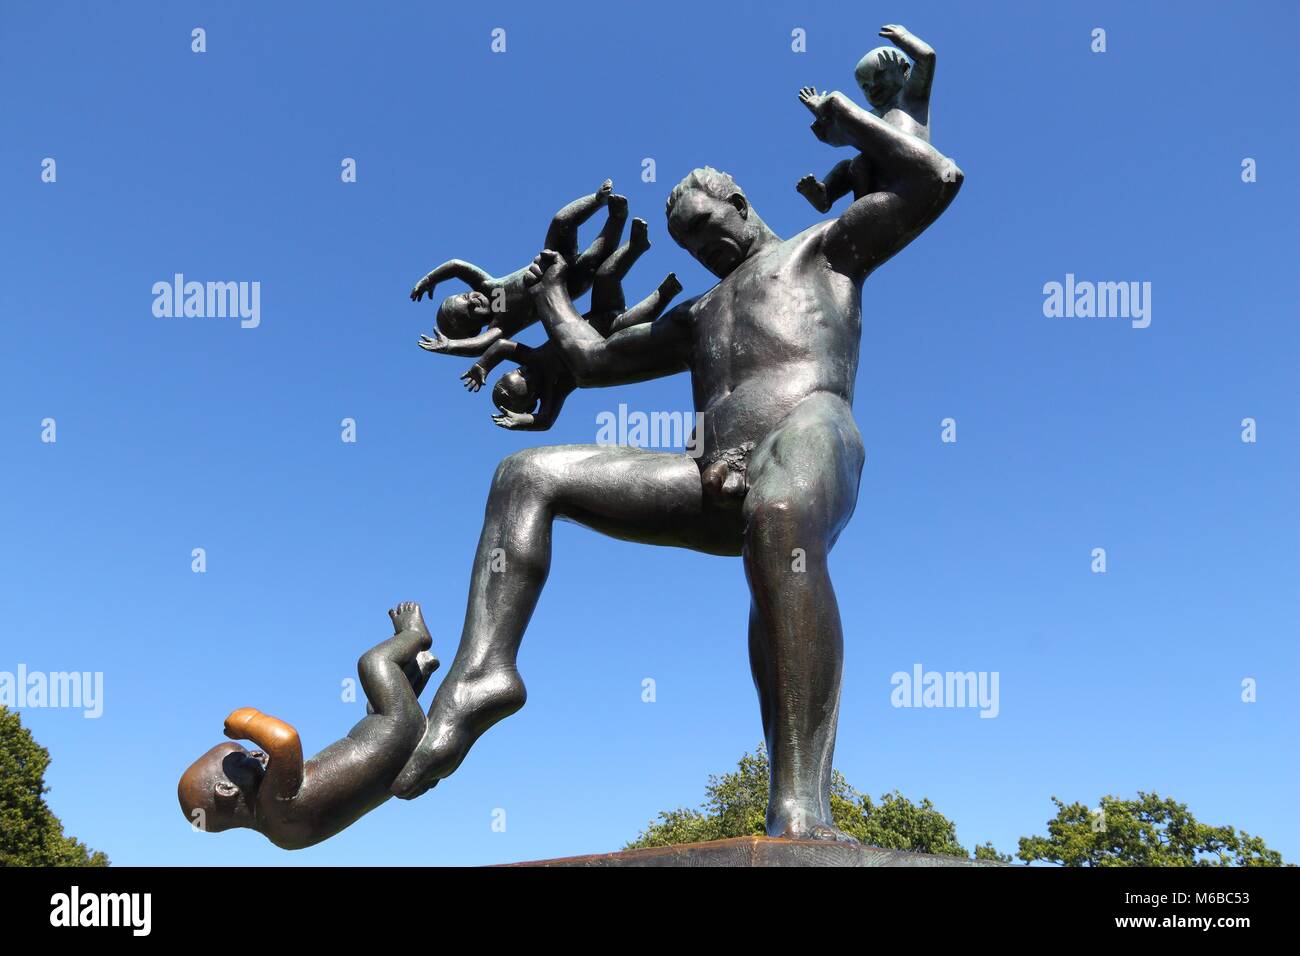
[[1073, 434]]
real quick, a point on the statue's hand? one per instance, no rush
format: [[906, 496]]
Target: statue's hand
[[546, 271], [512, 421], [474, 378], [893, 32], [435, 343], [809, 97], [424, 287], [824, 127]]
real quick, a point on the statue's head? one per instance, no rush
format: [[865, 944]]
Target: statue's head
[[513, 392], [709, 217], [463, 315], [881, 74], [222, 784]]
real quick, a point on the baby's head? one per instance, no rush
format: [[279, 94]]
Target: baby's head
[[514, 393], [881, 74], [222, 784], [464, 315]]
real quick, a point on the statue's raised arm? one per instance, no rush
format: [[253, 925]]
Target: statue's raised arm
[[914, 183]]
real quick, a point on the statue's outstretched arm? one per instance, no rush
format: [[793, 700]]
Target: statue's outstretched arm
[[921, 76], [466, 272], [471, 347], [649, 350], [281, 744]]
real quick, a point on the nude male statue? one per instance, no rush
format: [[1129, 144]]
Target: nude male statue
[[772, 350]]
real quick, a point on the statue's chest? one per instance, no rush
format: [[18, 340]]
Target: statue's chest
[[752, 323]]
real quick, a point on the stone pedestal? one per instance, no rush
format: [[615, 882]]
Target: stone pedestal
[[761, 851]]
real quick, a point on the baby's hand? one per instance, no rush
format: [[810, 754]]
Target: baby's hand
[[238, 721], [423, 287], [809, 97], [436, 343], [474, 378], [512, 421], [893, 32]]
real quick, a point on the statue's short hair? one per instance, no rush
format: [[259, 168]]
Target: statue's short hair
[[881, 56], [714, 182]]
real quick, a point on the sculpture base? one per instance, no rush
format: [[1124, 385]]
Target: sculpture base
[[762, 851]]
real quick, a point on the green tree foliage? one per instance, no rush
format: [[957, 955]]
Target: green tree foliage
[[1148, 831], [736, 805], [986, 851], [30, 835]]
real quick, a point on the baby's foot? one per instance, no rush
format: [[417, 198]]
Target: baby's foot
[[547, 271], [420, 670], [607, 187], [617, 206], [671, 285], [814, 191], [407, 617], [639, 236]]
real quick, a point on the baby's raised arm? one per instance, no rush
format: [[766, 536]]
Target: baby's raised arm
[[921, 76], [280, 743], [466, 272]]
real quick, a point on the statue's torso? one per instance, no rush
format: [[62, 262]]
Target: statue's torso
[[778, 329]]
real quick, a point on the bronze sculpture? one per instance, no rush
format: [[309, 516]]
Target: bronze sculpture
[[772, 350], [782, 455]]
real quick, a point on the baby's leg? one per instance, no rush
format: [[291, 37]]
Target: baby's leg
[[582, 270], [822, 195], [607, 289], [418, 671], [382, 669], [563, 234], [649, 308]]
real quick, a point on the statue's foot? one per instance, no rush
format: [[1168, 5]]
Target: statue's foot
[[605, 189], [639, 235], [407, 617], [671, 285], [813, 190], [795, 823], [466, 705], [617, 206]]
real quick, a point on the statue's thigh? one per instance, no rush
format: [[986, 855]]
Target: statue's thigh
[[627, 493], [809, 467]]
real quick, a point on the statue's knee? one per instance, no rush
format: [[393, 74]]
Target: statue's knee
[[785, 522], [769, 516], [521, 471]]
